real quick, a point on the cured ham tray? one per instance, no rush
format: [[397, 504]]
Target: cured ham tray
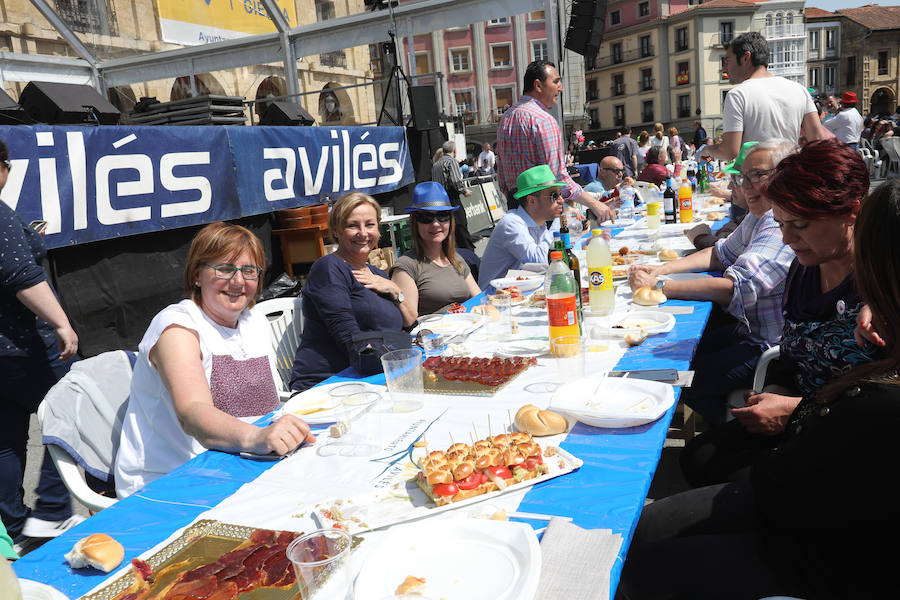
[[474, 376]]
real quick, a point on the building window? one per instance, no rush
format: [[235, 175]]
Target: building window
[[789, 18], [723, 74], [647, 111], [459, 60], [684, 106], [830, 39], [615, 17], [829, 78], [539, 50], [619, 115], [644, 9], [503, 99], [536, 16], [463, 101], [768, 19], [779, 18], [683, 73], [681, 39], [501, 56], [616, 52], [423, 63], [618, 84], [89, 16], [498, 22], [726, 32], [324, 10], [592, 89], [851, 70], [646, 47], [814, 41], [724, 95], [646, 80], [336, 58], [814, 78], [882, 62], [595, 119]]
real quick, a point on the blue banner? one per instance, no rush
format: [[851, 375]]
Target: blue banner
[[95, 183]]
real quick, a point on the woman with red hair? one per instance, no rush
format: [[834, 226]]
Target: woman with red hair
[[815, 196]]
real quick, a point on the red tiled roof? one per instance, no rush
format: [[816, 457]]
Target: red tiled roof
[[811, 12], [874, 16], [719, 4]]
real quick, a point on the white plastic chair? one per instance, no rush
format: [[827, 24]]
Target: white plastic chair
[[869, 158], [736, 397], [892, 147], [81, 421], [646, 191], [285, 316]]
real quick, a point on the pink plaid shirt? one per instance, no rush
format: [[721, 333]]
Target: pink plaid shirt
[[529, 136]]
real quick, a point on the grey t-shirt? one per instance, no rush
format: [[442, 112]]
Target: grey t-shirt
[[438, 286]]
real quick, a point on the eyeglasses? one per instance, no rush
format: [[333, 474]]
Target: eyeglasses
[[6, 164], [752, 177], [427, 218], [227, 271], [617, 171]]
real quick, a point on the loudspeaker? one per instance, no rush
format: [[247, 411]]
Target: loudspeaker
[[11, 113], [67, 104], [285, 113], [424, 107], [422, 144], [586, 27]]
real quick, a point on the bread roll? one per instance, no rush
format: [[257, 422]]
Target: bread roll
[[535, 421], [715, 216], [99, 551], [412, 585], [667, 255], [487, 309], [646, 296]]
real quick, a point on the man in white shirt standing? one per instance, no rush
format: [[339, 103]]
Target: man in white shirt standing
[[847, 124], [763, 106], [487, 155]]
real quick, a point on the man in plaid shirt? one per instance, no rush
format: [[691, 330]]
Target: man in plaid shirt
[[529, 136]]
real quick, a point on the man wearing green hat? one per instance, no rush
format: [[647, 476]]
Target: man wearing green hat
[[521, 236]]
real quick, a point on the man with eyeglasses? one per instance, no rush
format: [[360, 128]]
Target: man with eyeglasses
[[521, 236], [755, 261]]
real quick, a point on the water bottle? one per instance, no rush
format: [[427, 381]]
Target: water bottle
[[626, 210], [575, 226]]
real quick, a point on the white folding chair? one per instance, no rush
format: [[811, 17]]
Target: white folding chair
[[285, 316], [81, 421], [892, 147]]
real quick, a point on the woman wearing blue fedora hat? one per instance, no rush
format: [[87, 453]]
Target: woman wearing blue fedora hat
[[433, 275]]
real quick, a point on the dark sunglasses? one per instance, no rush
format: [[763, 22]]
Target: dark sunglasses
[[427, 218]]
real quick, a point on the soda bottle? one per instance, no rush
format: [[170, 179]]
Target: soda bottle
[[653, 211], [570, 259], [601, 294], [669, 201], [561, 291], [556, 245], [703, 182], [685, 202], [626, 210]]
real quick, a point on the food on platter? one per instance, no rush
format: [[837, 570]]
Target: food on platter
[[623, 250], [98, 550], [487, 309], [465, 471], [629, 323], [715, 216], [512, 290], [667, 255], [492, 372], [535, 421], [522, 278], [618, 259], [412, 585], [646, 296], [259, 562], [635, 338], [456, 307], [620, 272], [715, 201]]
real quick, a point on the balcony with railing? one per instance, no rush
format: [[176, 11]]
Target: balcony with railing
[[647, 84], [647, 116], [617, 89], [619, 58], [784, 32], [789, 68], [720, 38], [333, 59], [618, 121], [684, 112]]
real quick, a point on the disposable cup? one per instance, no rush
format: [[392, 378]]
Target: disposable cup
[[403, 372], [569, 353], [321, 563]]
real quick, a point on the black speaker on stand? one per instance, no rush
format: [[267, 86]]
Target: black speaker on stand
[[424, 107], [67, 104], [586, 28], [285, 114], [11, 113]]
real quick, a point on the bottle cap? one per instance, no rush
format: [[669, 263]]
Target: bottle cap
[[597, 231], [556, 255]]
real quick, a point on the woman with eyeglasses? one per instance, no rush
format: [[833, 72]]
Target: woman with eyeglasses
[[433, 275], [345, 295], [203, 371], [36, 340]]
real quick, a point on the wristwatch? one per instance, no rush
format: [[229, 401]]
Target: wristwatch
[[660, 283], [400, 297]]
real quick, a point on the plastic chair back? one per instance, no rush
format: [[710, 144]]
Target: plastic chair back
[[285, 316], [892, 146]]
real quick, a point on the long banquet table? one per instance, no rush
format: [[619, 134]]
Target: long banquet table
[[608, 491]]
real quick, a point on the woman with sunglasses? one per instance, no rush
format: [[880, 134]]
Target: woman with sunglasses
[[203, 371], [433, 275]]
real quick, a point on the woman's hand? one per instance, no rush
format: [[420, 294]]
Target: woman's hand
[[67, 340], [865, 331], [376, 283], [766, 413], [643, 276], [282, 436]]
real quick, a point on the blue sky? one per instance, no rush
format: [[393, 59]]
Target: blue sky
[[834, 5]]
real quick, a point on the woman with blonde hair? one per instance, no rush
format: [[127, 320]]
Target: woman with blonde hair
[[659, 138], [675, 145]]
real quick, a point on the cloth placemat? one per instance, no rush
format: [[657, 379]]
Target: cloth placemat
[[576, 562]]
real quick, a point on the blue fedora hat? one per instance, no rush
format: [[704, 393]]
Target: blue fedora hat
[[430, 196]]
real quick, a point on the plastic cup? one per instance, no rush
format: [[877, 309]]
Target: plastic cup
[[502, 327], [569, 353], [403, 372], [433, 344], [321, 563]]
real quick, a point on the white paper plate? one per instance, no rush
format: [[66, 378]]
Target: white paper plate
[[34, 590], [450, 324], [522, 348], [319, 397], [685, 276], [651, 321], [460, 559], [532, 282], [614, 402]]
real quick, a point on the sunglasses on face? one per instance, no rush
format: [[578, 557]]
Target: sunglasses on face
[[227, 271], [617, 171], [427, 218]]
